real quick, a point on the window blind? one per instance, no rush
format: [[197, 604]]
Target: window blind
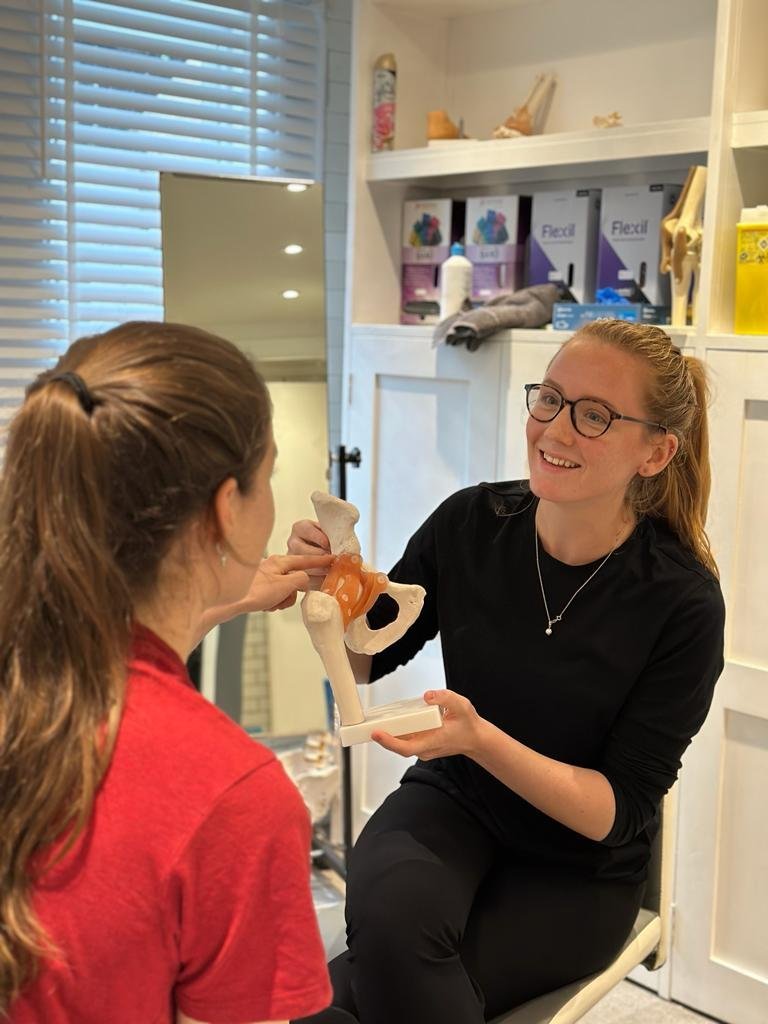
[[96, 98]]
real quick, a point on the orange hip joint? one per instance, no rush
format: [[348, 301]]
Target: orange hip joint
[[353, 587]]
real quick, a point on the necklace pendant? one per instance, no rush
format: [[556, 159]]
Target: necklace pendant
[[548, 631]]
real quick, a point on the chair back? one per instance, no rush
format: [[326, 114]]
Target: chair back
[[658, 890]]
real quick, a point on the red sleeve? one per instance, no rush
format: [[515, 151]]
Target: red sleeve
[[249, 945]]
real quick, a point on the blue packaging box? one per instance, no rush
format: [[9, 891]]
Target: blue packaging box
[[569, 316]]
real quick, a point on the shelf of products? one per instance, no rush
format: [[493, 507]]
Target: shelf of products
[[657, 145]]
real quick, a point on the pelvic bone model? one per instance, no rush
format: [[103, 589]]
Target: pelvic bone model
[[681, 232], [335, 619]]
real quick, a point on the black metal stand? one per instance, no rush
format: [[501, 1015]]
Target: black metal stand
[[335, 858]]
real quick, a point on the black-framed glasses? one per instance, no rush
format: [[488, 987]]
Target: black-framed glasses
[[589, 417]]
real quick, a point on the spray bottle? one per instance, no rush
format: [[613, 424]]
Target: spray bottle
[[384, 82]]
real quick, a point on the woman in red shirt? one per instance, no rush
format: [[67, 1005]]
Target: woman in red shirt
[[153, 859]]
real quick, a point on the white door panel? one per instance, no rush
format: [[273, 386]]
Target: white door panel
[[528, 365], [720, 952]]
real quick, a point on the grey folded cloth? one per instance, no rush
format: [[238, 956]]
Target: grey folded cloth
[[528, 307]]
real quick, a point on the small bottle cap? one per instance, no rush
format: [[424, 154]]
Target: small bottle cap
[[457, 249]]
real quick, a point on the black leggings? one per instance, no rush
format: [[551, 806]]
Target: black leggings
[[445, 927]]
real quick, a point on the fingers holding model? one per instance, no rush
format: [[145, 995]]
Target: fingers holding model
[[461, 731], [308, 539]]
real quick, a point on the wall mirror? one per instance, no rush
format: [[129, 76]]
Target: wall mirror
[[243, 258]]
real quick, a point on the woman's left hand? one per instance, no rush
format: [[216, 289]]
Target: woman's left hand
[[460, 733], [278, 580], [275, 585]]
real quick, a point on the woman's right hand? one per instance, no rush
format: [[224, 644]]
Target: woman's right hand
[[308, 539]]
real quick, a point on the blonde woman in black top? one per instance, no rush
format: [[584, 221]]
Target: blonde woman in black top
[[581, 624]]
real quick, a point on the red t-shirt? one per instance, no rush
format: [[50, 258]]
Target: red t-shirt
[[190, 887]]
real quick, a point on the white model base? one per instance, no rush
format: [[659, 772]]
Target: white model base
[[397, 719]]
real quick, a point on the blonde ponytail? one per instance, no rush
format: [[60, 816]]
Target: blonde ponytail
[[678, 396]]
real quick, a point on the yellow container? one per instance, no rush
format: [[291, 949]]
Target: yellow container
[[751, 306]]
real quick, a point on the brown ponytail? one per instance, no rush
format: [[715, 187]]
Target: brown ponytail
[[678, 396], [90, 500]]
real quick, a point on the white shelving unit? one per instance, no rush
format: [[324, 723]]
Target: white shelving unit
[[690, 79]]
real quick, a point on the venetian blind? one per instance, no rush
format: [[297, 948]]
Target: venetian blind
[[96, 98]]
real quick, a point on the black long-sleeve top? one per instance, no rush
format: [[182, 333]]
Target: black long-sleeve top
[[621, 686]]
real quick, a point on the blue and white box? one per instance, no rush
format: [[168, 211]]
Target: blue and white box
[[570, 316], [629, 251], [563, 246]]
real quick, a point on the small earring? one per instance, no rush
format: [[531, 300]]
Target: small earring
[[222, 555]]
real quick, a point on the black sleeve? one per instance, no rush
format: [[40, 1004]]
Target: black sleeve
[[418, 565], [665, 709]]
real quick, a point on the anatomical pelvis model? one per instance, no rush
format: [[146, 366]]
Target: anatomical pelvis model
[[335, 619]]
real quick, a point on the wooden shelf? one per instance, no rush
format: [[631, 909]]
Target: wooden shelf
[[659, 145], [750, 130]]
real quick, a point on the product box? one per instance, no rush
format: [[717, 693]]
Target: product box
[[569, 316], [563, 243], [751, 299], [429, 228], [497, 230], [629, 250]]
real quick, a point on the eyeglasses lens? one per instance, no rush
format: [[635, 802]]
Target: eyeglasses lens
[[591, 418]]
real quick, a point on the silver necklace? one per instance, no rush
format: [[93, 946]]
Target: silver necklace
[[551, 621]]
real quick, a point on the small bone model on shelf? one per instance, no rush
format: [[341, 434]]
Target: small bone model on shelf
[[335, 620], [612, 120], [440, 128], [530, 117], [681, 233]]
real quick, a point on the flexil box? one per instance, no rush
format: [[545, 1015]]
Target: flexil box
[[429, 227], [563, 244], [497, 229], [629, 250]]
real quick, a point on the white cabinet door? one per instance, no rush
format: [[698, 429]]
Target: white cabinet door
[[427, 423], [720, 940], [528, 362]]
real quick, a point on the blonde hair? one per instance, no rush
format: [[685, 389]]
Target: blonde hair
[[677, 395], [93, 494]]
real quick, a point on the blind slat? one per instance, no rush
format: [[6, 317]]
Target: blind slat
[[119, 102], [102, 125], [146, 87], [106, 39], [130, 20], [91, 59]]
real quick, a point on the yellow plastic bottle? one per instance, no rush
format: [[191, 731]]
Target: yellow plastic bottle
[[751, 306]]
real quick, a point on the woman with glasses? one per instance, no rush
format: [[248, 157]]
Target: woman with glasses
[[581, 624]]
